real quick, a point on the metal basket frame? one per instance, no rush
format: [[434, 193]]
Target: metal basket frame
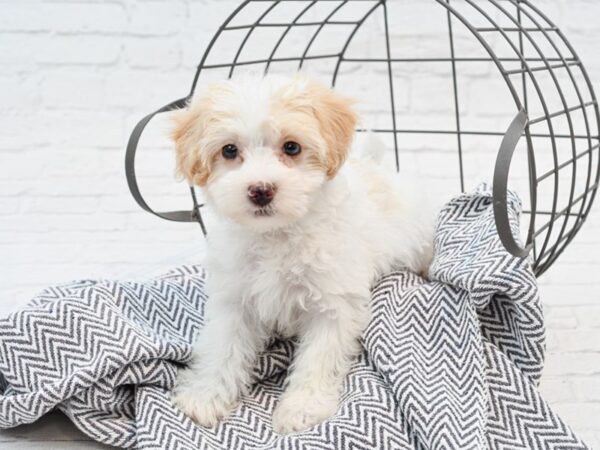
[[545, 250]]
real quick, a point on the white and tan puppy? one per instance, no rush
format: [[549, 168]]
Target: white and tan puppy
[[301, 239]]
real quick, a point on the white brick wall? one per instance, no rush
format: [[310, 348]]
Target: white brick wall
[[76, 75]]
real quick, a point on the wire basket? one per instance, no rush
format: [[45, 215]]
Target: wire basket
[[505, 66]]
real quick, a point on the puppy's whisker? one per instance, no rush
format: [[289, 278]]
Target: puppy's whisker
[[264, 212]]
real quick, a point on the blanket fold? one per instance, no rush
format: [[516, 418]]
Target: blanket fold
[[449, 363]]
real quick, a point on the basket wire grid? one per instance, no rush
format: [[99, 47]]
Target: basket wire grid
[[556, 118]]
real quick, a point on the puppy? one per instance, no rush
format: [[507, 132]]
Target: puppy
[[302, 237]]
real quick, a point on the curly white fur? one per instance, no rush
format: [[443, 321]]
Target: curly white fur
[[303, 269]]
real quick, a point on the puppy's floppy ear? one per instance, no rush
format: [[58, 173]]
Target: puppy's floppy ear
[[186, 133], [337, 120]]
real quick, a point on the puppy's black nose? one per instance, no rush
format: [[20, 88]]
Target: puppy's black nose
[[261, 194]]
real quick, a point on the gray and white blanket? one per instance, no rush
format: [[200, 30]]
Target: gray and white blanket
[[451, 363]]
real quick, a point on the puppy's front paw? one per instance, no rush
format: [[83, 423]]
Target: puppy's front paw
[[204, 405], [301, 409]]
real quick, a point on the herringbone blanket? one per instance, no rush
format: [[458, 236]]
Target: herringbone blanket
[[451, 363]]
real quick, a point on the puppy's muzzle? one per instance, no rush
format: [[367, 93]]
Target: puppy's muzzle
[[261, 194]]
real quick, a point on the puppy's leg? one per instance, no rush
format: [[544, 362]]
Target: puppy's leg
[[326, 350], [221, 363]]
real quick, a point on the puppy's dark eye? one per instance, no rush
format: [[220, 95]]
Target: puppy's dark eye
[[230, 151], [292, 148]]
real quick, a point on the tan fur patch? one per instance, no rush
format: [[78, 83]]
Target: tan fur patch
[[190, 125], [313, 108], [337, 120], [186, 135]]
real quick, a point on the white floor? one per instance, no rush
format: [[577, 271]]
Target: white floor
[[52, 432]]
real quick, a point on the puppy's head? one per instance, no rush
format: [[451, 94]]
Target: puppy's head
[[263, 147]]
